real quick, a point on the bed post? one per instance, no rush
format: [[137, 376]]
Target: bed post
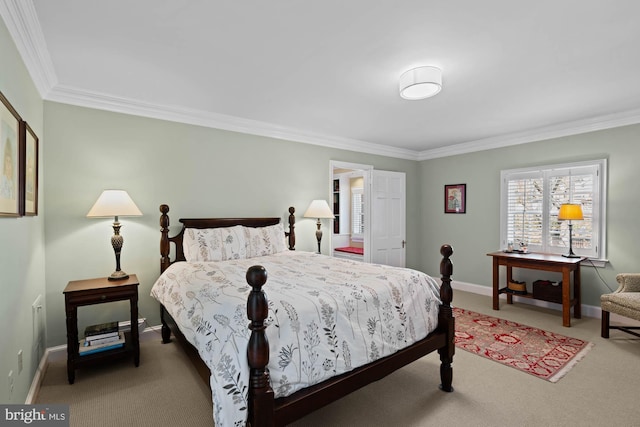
[[164, 238], [291, 234], [446, 321], [164, 263], [261, 397]]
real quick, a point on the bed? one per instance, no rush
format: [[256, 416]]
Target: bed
[[271, 394]]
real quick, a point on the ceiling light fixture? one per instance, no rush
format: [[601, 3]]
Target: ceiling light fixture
[[420, 83]]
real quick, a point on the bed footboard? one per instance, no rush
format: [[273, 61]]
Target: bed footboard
[[266, 411]]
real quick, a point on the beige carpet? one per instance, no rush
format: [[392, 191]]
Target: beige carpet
[[166, 391], [163, 391]]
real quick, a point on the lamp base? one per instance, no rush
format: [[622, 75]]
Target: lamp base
[[571, 256], [319, 235], [118, 275], [117, 242]]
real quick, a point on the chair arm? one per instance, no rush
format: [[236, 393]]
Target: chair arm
[[629, 282]]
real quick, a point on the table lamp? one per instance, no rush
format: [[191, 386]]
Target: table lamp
[[319, 209], [115, 203], [570, 212]]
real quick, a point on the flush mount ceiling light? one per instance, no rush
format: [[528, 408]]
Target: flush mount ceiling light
[[420, 83]]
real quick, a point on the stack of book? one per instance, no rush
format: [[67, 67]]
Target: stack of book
[[102, 337]]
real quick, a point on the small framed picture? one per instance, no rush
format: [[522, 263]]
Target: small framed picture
[[30, 168], [455, 198], [10, 150]]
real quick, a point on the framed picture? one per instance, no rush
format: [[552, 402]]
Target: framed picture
[[10, 150], [30, 168], [455, 198]]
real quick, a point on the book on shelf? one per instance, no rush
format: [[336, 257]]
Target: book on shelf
[[91, 341], [102, 330], [86, 348], [93, 350]]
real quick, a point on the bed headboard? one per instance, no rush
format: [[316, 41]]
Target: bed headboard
[[166, 241]]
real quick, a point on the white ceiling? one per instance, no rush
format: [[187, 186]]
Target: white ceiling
[[326, 72]]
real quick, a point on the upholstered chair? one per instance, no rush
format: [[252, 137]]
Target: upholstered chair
[[624, 301]]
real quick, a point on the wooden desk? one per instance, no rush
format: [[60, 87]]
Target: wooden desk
[[546, 262]]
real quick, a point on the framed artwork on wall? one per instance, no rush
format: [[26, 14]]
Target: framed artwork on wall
[[455, 198], [30, 168], [10, 150]]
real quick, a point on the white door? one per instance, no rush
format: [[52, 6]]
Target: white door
[[388, 217]]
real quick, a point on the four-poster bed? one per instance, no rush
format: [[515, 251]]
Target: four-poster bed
[[267, 402]]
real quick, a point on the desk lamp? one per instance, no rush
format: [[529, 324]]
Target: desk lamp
[[570, 212]]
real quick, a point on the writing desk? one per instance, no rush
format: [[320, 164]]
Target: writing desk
[[540, 261]]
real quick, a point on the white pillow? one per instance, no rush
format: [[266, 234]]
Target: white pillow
[[263, 241], [214, 244]]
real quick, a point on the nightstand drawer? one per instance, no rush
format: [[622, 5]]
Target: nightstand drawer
[[102, 295]]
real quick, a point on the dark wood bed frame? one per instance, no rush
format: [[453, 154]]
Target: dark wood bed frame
[[264, 409]]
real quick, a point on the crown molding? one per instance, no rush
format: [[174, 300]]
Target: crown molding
[[83, 98], [539, 134], [21, 20]]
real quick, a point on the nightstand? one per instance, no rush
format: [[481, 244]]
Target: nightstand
[[97, 291]]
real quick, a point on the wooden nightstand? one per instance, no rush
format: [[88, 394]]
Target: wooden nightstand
[[98, 291]]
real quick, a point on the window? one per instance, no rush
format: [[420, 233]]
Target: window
[[531, 199], [357, 212]]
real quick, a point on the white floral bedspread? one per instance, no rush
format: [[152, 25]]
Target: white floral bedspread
[[326, 316]]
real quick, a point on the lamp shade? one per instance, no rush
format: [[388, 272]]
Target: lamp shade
[[420, 83], [570, 211], [319, 209], [114, 203]]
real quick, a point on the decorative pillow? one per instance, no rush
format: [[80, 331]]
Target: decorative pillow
[[263, 241], [214, 244], [234, 245]]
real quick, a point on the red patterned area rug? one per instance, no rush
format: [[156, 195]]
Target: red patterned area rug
[[544, 354]]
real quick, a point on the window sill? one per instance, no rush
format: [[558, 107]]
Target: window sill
[[593, 262]]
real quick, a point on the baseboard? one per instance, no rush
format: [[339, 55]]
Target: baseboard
[[587, 310], [59, 351], [37, 378]]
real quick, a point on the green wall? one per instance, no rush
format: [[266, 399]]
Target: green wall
[[22, 265], [477, 233], [197, 171]]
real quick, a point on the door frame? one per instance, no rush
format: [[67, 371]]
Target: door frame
[[366, 174]]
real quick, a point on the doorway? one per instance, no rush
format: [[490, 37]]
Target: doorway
[[351, 203]]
